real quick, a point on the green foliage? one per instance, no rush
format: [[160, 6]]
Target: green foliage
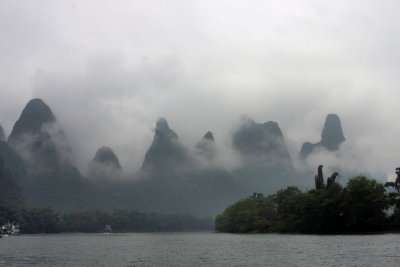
[[7, 214], [38, 220], [315, 211], [282, 199], [364, 202], [394, 201], [45, 220], [252, 214], [358, 207]]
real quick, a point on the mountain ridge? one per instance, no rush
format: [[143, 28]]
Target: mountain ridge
[[331, 137], [172, 178]]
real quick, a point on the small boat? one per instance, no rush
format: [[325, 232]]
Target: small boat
[[3, 232], [9, 229], [14, 229], [107, 229]]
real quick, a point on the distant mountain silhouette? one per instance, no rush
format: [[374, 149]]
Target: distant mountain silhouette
[[258, 140], [51, 179], [106, 156], [206, 146], [331, 137], [173, 182], [35, 114], [12, 161], [36, 164], [105, 164], [166, 152], [2, 135], [37, 138], [10, 192], [266, 164]]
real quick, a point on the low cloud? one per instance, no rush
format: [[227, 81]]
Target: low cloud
[[109, 71]]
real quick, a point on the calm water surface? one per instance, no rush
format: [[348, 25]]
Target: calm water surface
[[195, 249]]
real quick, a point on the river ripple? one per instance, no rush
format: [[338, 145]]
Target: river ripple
[[200, 249]]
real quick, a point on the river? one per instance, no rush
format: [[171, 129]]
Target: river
[[200, 249]]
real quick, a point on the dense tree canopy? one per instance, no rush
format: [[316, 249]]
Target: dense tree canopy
[[361, 206], [45, 220], [250, 214]]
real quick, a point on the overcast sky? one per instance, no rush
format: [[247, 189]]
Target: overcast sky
[[109, 69]]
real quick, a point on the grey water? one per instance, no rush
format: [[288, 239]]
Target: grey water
[[200, 249]]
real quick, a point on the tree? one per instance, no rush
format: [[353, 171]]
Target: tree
[[364, 203], [394, 200], [358, 207], [252, 214], [282, 199]]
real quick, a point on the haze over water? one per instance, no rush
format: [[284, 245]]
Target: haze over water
[[109, 69], [195, 249]]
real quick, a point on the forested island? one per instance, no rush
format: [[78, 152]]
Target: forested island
[[362, 206]]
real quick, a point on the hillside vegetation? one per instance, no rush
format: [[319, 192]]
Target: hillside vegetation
[[359, 207]]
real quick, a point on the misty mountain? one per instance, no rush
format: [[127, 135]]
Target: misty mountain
[[266, 163], [206, 146], [263, 141], [38, 139], [42, 160], [35, 114], [2, 135], [173, 178], [105, 164], [204, 192], [331, 137], [106, 156], [10, 191], [13, 162], [166, 153]]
